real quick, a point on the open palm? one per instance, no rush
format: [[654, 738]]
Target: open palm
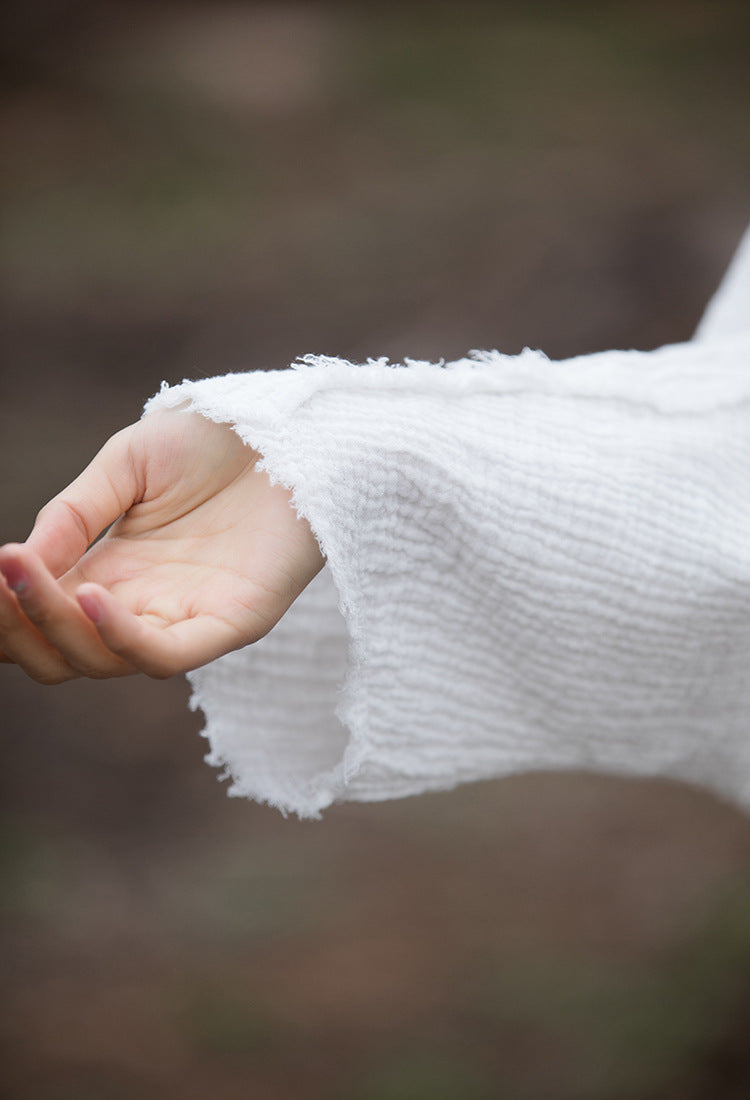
[[204, 555]]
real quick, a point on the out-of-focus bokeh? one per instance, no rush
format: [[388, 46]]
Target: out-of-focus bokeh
[[204, 187]]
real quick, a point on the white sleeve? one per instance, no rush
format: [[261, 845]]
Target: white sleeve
[[530, 565]]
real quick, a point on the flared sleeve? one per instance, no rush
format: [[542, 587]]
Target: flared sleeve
[[530, 565]]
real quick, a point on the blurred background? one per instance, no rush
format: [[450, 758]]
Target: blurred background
[[195, 188]]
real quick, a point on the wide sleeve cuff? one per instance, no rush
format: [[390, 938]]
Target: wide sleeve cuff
[[530, 565]]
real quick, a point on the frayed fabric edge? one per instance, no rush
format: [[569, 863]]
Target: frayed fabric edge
[[324, 788]]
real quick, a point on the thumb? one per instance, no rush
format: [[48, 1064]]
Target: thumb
[[71, 521]]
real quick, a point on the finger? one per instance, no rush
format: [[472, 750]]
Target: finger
[[69, 523], [24, 646], [57, 616], [158, 652]]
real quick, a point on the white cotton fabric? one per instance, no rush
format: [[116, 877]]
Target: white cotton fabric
[[530, 565]]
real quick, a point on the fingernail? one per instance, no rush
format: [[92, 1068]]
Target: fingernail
[[16, 577], [91, 606]]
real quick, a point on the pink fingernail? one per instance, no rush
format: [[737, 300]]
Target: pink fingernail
[[16, 577], [91, 606]]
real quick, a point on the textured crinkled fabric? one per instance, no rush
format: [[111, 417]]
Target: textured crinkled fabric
[[530, 565]]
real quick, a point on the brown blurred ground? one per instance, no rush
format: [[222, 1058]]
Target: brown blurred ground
[[197, 188]]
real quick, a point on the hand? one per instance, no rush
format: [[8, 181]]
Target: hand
[[204, 556]]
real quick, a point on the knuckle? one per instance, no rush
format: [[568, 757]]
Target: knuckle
[[115, 666], [89, 671], [77, 517], [46, 514], [51, 677], [39, 615], [11, 629], [65, 507], [159, 672], [162, 667], [101, 666], [98, 673]]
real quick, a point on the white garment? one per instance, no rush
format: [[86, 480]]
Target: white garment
[[530, 565]]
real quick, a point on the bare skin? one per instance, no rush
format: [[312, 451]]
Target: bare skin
[[204, 556]]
